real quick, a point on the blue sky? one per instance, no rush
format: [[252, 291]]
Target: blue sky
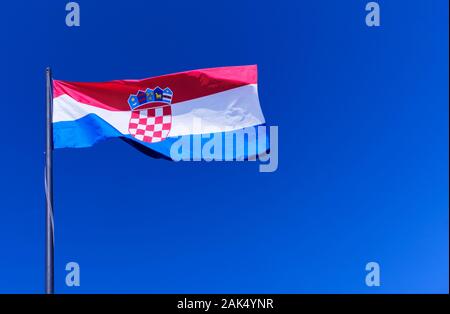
[[363, 160]]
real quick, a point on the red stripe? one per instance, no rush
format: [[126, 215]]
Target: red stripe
[[188, 85]]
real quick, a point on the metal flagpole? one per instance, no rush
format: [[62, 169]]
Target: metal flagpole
[[49, 232]]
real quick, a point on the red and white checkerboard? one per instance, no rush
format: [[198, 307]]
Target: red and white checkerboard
[[151, 125]]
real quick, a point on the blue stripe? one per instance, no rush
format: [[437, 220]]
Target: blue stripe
[[87, 131]]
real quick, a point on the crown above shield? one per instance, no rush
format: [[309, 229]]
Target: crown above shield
[[157, 95]]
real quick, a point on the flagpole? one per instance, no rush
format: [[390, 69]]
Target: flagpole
[[49, 232]]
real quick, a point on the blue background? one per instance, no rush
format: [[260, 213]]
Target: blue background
[[363, 161]]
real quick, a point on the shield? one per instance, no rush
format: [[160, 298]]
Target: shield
[[151, 125]]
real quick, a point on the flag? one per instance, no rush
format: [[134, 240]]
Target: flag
[[155, 113]]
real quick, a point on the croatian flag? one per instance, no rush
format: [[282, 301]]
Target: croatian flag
[[152, 114]]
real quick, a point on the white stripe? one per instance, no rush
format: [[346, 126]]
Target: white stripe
[[221, 112]]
